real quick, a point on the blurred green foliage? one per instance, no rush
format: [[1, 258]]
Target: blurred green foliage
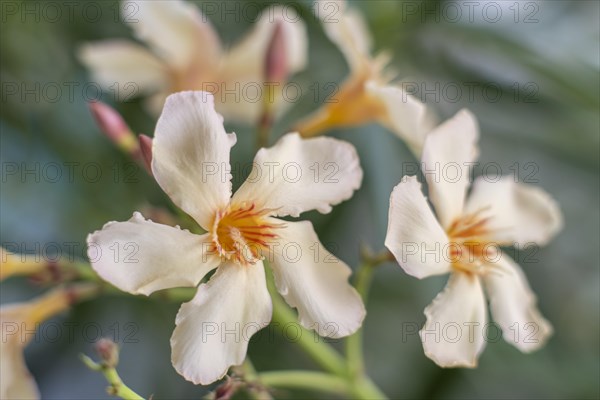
[[535, 83]]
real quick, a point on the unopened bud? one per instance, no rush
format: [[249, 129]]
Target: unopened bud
[[226, 390], [276, 65], [145, 143], [108, 351], [114, 127]]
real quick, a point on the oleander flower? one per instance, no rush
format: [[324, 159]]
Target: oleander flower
[[18, 321], [190, 161], [368, 94], [464, 240], [186, 54]]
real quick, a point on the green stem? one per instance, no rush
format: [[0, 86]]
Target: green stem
[[263, 131], [176, 295], [84, 271], [317, 381], [322, 353], [257, 392], [117, 386], [266, 120], [364, 388], [354, 351]]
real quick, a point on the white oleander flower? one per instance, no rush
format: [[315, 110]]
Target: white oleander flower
[[368, 94], [463, 240], [18, 321], [186, 54], [190, 161]]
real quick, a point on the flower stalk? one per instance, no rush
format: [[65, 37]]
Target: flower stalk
[[108, 352], [323, 354]]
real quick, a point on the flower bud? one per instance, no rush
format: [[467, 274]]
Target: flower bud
[[226, 390], [114, 127], [108, 351], [145, 144], [276, 64]]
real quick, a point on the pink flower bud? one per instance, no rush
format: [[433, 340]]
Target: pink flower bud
[[108, 351], [145, 144], [227, 389], [114, 127], [276, 68]]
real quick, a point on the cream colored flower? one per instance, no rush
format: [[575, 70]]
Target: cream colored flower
[[367, 95], [190, 161], [463, 239], [186, 54], [18, 321]]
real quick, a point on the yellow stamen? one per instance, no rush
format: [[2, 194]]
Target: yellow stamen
[[242, 233], [471, 247]]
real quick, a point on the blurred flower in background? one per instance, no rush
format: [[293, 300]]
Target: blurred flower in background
[[367, 95], [186, 54], [19, 324]]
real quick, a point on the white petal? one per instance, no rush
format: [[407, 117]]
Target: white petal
[[448, 154], [129, 66], [408, 117], [414, 236], [298, 175], [346, 28], [190, 155], [213, 330], [513, 306], [140, 256], [176, 30], [453, 335], [315, 282], [16, 381], [244, 66], [520, 214]]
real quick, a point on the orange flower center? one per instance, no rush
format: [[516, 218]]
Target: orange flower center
[[471, 248], [352, 104], [243, 233]]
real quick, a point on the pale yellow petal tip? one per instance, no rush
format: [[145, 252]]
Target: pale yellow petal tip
[[315, 124], [12, 264], [471, 364]]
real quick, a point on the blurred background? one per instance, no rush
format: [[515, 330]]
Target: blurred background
[[529, 70]]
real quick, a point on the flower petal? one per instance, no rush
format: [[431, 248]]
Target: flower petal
[[448, 154], [128, 65], [414, 236], [16, 381], [140, 256], [453, 335], [315, 282], [213, 330], [346, 28], [520, 214], [408, 117], [298, 175], [190, 155], [244, 66], [513, 306], [176, 30]]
